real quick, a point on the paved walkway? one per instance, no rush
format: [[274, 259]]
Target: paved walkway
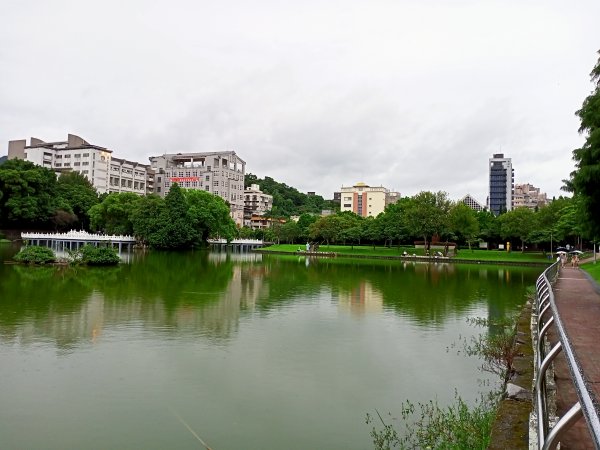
[[578, 303]]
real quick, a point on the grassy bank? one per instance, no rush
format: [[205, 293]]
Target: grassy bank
[[475, 255], [593, 270]]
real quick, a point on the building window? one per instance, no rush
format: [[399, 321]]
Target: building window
[[207, 178], [67, 156], [215, 183], [347, 199], [85, 163], [57, 156], [77, 155], [67, 164], [58, 164], [207, 188], [86, 155], [77, 163]]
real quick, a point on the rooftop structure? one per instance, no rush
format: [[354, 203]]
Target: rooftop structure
[[220, 173]]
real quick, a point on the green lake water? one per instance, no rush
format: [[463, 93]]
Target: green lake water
[[242, 351]]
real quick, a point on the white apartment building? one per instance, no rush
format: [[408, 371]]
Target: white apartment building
[[107, 174], [529, 196], [220, 173], [75, 154], [256, 203], [365, 200]]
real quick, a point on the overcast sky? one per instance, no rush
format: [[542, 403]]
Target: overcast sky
[[409, 94]]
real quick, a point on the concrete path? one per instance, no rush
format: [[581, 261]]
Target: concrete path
[[578, 301]]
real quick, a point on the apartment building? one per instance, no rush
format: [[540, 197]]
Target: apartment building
[[220, 173], [106, 173], [256, 203], [365, 200], [529, 196]]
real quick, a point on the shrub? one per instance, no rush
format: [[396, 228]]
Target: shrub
[[35, 255], [99, 256]]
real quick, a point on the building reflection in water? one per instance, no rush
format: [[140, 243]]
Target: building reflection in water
[[362, 299]]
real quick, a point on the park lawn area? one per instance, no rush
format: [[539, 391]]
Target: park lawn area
[[477, 255], [347, 249], [593, 270]]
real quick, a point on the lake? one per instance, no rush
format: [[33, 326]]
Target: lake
[[240, 351]]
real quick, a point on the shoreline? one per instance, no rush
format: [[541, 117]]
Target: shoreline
[[409, 258]]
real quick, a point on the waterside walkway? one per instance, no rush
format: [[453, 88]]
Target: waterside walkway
[[577, 299]]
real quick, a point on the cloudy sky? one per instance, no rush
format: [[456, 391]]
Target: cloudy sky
[[410, 94]]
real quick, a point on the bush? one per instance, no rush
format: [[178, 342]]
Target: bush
[[35, 255], [99, 256]]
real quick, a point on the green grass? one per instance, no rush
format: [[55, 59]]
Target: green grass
[[347, 249], [476, 255], [593, 270]]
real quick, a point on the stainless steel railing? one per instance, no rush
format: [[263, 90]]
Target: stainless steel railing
[[547, 315]]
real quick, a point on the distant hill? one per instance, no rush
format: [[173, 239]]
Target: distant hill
[[3, 159], [287, 200]]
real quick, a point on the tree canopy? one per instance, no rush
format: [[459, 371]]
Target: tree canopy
[[585, 180], [287, 200]]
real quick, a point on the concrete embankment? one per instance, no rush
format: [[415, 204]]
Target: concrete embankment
[[511, 426]]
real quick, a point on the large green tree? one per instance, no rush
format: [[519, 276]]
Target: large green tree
[[585, 180], [77, 192], [517, 223], [210, 215], [427, 215], [463, 223], [113, 214], [28, 195]]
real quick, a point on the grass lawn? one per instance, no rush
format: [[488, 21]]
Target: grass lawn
[[481, 255], [593, 270]]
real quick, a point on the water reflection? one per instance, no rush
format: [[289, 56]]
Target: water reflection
[[202, 294]]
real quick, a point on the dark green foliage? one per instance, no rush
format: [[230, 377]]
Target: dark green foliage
[[35, 255], [288, 201], [113, 214], [99, 256], [28, 195], [77, 192], [585, 180]]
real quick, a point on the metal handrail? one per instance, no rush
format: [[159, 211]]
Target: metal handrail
[[549, 438]]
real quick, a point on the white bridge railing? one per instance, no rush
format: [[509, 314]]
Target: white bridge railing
[[236, 241], [77, 236]]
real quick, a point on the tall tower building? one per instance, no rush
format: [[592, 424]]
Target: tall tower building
[[502, 179]]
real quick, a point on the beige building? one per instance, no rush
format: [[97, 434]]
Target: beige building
[[220, 173], [256, 203], [366, 201], [107, 174], [529, 196]]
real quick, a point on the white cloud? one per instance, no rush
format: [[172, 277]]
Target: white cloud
[[411, 95]]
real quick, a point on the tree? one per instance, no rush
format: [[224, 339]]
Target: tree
[[326, 228], [585, 180], [517, 223], [113, 214], [79, 193], [304, 223], [489, 226], [463, 223], [28, 195], [392, 222], [178, 229], [427, 215], [146, 219], [289, 231], [210, 215]]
